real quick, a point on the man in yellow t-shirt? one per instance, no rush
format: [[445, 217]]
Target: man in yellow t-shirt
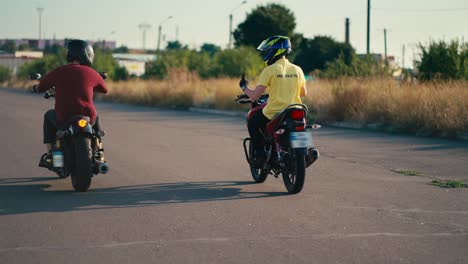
[[282, 80]]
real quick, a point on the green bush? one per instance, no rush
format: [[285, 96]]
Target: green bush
[[230, 63], [357, 67], [103, 61], [234, 62], [120, 74], [443, 60], [42, 66], [5, 73]]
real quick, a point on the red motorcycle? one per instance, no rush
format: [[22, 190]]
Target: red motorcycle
[[288, 144]]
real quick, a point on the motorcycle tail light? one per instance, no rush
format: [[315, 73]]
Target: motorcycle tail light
[[297, 114], [82, 123]]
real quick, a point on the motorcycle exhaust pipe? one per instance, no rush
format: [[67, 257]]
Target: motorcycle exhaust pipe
[[102, 167], [312, 156]]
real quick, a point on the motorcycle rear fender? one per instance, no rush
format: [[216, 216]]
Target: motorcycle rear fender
[[74, 129], [302, 151], [88, 130]]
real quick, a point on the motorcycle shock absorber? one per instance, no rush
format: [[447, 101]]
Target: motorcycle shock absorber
[[57, 155], [277, 146]]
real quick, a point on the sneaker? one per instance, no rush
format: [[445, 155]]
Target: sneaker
[[46, 160]]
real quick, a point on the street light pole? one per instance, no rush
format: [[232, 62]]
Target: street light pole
[[368, 25], [39, 11], [230, 22], [385, 45], [159, 31]]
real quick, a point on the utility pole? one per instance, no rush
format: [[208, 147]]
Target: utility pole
[[144, 27], [368, 26], [230, 31], [159, 31], [40, 9], [403, 57], [347, 31], [230, 23], [385, 45]]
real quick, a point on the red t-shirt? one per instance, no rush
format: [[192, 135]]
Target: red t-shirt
[[74, 86]]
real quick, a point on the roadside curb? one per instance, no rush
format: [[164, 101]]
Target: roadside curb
[[345, 125], [217, 112]]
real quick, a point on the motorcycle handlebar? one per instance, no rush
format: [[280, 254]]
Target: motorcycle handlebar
[[245, 97]]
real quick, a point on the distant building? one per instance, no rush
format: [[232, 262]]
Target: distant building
[[44, 43], [380, 58], [14, 61], [134, 63]]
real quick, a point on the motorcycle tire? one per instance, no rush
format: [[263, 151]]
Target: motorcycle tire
[[258, 175], [82, 173], [294, 177]]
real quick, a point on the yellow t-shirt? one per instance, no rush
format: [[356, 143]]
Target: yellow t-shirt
[[284, 81]]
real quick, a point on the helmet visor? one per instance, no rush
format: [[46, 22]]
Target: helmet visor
[[263, 46]]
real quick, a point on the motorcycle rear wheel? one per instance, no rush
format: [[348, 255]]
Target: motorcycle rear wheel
[[294, 176], [82, 173]]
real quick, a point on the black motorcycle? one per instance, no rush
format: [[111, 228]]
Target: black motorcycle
[[76, 152]]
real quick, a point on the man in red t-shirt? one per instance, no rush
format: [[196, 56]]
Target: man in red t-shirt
[[74, 85]]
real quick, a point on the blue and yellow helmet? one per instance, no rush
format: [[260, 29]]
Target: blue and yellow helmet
[[274, 48]]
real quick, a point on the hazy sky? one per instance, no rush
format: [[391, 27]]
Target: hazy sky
[[408, 21]]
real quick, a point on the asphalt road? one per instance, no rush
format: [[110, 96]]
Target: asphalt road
[[179, 191]]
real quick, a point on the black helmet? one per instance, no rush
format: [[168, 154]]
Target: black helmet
[[81, 51], [274, 48]]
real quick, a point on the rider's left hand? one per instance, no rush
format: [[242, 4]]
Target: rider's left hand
[[34, 88], [243, 83]]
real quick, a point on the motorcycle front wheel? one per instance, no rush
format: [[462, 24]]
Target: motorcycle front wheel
[[258, 175]]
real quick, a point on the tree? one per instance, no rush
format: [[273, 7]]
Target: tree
[[263, 22], [9, 46], [443, 60], [209, 48], [175, 45], [121, 49], [314, 54], [5, 73], [55, 49]]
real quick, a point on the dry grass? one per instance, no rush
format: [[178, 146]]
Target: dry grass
[[439, 108]]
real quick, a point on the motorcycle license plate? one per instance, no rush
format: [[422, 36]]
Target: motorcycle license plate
[[301, 139]]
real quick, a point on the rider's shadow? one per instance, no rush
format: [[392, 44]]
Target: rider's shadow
[[20, 197]]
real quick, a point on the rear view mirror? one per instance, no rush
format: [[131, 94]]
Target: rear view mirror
[[35, 76], [103, 75]]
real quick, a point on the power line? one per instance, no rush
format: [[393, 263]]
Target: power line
[[422, 10]]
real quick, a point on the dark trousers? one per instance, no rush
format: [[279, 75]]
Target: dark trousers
[[255, 124], [50, 126]]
